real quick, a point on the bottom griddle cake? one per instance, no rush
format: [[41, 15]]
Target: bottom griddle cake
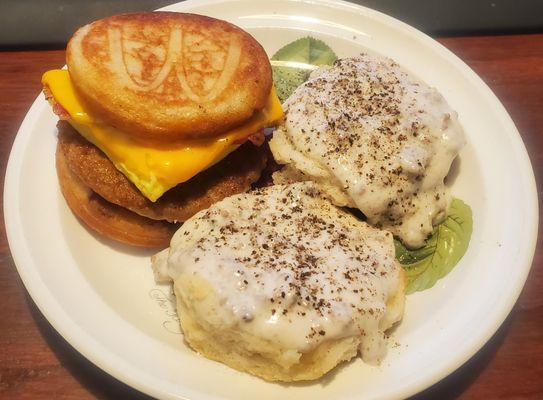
[[109, 203], [109, 219]]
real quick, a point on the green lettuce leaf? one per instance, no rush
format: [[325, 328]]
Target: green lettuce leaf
[[303, 54], [448, 243]]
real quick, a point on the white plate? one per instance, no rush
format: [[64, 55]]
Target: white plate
[[102, 299]]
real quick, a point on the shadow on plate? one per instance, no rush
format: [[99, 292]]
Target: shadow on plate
[[102, 385], [93, 379], [454, 171], [459, 381]]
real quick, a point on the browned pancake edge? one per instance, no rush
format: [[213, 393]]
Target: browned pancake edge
[[107, 219]]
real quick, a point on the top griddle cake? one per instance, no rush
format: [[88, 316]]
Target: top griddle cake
[[170, 76]]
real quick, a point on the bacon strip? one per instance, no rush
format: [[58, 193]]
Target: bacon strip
[[61, 112], [57, 108], [256, 138]]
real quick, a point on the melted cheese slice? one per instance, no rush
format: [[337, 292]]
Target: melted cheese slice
[[154, 170]]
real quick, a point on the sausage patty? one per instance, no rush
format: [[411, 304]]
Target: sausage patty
[[234, 174]]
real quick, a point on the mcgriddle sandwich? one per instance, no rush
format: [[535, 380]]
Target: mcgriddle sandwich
[[162, 114]]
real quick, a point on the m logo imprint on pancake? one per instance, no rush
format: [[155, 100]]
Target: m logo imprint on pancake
[[169, 75], [181, 64]]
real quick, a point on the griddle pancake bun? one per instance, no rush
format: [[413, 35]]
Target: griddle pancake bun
[[170, 76], [109, 219], [233, 175]]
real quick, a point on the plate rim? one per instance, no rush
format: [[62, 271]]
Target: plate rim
[[85, 344]]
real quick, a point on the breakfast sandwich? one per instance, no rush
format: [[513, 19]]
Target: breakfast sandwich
[[280, 283], [373, 137], [162, 114]]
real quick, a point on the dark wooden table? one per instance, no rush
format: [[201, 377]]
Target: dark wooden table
[[36, 363]]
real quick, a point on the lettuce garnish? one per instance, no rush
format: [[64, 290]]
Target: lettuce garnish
[[445, 247], [292, 64]]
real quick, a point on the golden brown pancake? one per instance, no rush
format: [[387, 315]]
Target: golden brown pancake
[[109, 219], [203, 75], [233, 175]]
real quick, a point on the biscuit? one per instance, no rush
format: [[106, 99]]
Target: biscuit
[[280, 283], [374, 137], [170, 76], [260, 356]]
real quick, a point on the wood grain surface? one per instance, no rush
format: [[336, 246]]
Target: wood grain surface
[[36, 363]]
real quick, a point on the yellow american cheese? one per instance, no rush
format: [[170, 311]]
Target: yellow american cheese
[[153, 170]]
